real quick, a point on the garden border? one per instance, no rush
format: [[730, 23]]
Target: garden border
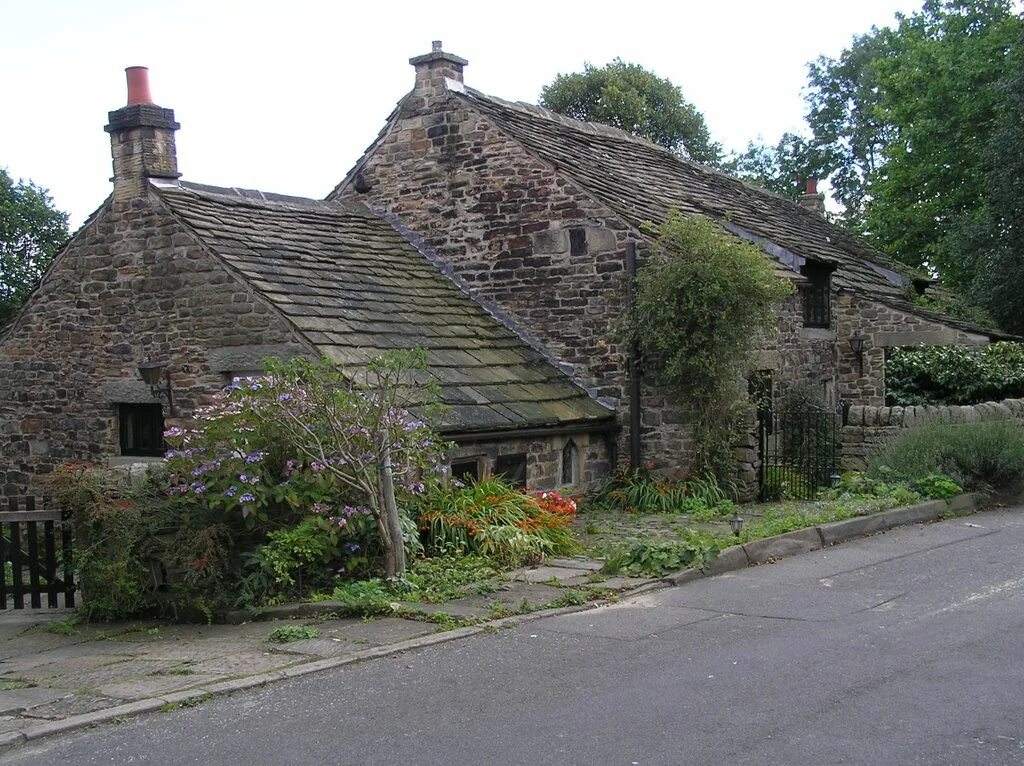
[[809, 539], [731, 559]]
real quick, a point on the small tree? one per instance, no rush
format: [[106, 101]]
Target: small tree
[[629, 97], [32, 231], [311, 438], [702, 302]]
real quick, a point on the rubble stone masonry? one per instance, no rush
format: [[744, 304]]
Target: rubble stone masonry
[[132, 284]]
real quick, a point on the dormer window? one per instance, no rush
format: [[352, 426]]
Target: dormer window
[[817, 294]]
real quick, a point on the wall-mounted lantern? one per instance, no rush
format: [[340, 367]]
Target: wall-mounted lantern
[[151, 373], [857, 347]]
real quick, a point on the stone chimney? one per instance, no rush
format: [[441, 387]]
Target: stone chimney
[[141, 139], [433, 68], [811, 200]]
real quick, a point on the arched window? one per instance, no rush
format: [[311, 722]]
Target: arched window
[[570, 463]]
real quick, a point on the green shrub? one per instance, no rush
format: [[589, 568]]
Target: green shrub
[[289, 633], [367, 597], [116, 520], [988, 455], [954, 374], [440, 579], [657, 558], [642, 491], [492, 518]]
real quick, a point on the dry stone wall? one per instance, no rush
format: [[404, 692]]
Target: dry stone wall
[[869, 427]]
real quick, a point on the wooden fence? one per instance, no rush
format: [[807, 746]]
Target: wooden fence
[[36, 556]]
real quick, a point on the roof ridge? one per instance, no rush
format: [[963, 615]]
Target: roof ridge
[[259, 198]]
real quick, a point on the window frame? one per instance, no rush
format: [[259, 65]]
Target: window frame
[[477, 463], [133, 428], [514, 459], [817, 294]]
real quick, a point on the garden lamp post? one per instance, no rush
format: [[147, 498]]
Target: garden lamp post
[[736, 522]]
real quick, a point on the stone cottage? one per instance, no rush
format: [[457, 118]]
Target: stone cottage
[[498, 236], [539, 215], [199, 284]]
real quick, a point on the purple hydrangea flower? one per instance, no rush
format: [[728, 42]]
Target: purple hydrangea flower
[[254, 457], [247, 498], [231, 491]]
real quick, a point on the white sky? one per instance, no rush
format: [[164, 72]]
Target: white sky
[[285, 96]]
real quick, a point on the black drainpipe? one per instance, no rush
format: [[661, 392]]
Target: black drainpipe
[[633, 364]]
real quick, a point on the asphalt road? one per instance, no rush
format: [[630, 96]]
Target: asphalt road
[[904, 648]]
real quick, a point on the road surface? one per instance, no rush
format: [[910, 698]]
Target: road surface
[[903, 648]]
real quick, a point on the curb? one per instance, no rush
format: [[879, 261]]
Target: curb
[[730, 559], [810, 539], [226, 688]]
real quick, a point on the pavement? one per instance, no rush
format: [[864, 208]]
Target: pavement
[[901, 648], [50, 682]]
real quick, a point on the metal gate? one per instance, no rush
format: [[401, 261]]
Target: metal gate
[[35, 557], [800, 449]]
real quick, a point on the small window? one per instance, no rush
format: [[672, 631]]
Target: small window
[[141, 429], [512, 469], [570, 463], [817, 294], [466, 471], [577, 241]]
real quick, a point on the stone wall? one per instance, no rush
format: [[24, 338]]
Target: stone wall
[[544, 458], [524, 240], [869, 427], [882, 327], [132, 284]]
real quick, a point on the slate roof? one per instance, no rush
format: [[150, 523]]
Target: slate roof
[[642, 181], [354, 287]]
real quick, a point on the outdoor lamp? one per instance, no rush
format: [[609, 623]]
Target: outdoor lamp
[[151, 372], [857, 347], [736, 522]]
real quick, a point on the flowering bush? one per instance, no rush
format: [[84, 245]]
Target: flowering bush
[[309, 467], [554, 502], [492, 518]]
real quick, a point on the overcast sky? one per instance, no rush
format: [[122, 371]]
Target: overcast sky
[[285, 96]]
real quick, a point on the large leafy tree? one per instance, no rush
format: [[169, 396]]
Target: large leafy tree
[[992, 236], [904, 117], [32, 231], [782, 168], [629, 97]]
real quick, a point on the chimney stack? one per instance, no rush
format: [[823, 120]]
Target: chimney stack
[[811, 200], [433, 68], [141, 139]]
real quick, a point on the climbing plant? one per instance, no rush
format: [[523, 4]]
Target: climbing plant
[[702, 301]]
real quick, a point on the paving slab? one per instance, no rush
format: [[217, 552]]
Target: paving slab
[[75, 704], [379, 632], [546, 574], [18, 701], [156, 685]]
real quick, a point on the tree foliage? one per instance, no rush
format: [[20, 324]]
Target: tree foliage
[[701, 302], [782, 168], [631, 98], [905, 118], [32, 231]]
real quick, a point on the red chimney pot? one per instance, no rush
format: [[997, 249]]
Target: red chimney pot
[[812, 185], [138, 85]]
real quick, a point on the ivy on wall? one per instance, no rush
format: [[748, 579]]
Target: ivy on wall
[[702, 301]]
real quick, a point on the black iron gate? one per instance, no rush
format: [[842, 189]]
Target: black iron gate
[[800, 449], [35, 557]]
